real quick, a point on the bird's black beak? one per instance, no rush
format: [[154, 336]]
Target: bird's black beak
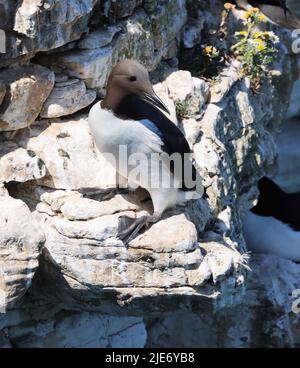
[[156, 101]]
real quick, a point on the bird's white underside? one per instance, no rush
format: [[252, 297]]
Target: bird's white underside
[[268, 235], [111, 132]]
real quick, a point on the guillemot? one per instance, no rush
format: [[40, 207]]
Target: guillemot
[[132, 117], [285, 13], [273, 225]]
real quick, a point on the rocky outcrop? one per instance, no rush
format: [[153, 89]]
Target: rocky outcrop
[[268, 315], [144, 37], [66, 98], [62, 264], [20, 165], [65, 329], [69, 154], [21, 240], [27, 88], [28, 29]]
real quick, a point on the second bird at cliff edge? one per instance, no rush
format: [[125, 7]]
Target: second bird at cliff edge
[[285, 13], [131, 115]]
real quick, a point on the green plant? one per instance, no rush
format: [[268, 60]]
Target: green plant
[[255, 50], [182, 109]]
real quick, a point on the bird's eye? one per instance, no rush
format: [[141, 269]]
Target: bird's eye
[[132, 78]]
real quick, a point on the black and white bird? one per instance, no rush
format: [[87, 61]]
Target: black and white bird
[[285, 13], [273, 225], [133, 117]]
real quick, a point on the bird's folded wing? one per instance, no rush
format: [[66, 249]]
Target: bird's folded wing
[[173, 139], [135, 108], [285, 13], [267, 2]]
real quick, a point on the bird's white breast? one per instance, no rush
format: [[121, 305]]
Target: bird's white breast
[[110, 132], [268, 235], [114, 137]]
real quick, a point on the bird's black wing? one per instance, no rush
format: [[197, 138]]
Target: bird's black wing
[[134, 107], [268, 2], [274, 202], [292, 211], [285, 13]]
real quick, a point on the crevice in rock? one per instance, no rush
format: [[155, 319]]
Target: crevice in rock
[[29, 192]]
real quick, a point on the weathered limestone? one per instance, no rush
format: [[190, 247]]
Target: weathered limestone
[[185, 88], [21, 240], [267, 317], [100, 38], [29, 87], [99, 331], [66, 98], [145, 38], [19, 164], [69, 155], [229, 77], [271, 302], [192, 31], [114, 10], [28, 29], [74, 206]]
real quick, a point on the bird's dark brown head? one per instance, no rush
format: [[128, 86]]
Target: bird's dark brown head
[[129, 77]]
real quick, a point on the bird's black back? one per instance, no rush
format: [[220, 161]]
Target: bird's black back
[[135, 108], [273, 201]]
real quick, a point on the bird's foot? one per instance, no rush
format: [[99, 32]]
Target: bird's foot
[[134, 229]]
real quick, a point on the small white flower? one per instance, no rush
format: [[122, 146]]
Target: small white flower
[[273, 37], [253, 42]]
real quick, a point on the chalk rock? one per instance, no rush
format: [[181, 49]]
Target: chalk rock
[[29, 28], [73, 206], [192, 31], [19, 164], [66, 98], [29, 88], [21, 240], [100, 38], [229, 76], [69, 154], [114, 10], [100, 331], [185, 88], [146, 38], [174, 234]]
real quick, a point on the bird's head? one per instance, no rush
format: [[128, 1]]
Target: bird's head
[[129, 77]]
